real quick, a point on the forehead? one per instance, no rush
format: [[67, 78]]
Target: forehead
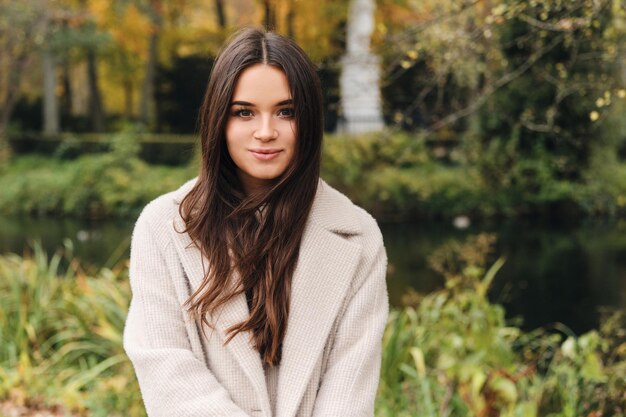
[[262, 83]]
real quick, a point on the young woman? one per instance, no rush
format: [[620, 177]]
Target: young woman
[[258, 290]]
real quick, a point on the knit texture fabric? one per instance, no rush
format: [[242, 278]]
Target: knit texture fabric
[[331, 353]]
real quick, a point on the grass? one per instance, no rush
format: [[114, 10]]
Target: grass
[[62, 333]]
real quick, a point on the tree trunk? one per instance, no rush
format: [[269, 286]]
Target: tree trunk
[[270, 17], [291, 15], [16, 69], [16, 49], [221, 15], [5, 150], [50, 101], [148, 105], [66, 98], [128, 99], [10, 96], [96, 112]]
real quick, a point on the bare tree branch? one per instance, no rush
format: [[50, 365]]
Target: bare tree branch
[[491, 89]]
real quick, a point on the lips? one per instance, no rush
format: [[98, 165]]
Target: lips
[[265, 154]]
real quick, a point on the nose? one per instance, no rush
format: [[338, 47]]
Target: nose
[[266, 130]]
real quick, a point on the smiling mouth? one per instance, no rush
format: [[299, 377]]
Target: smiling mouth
[[265, 154]]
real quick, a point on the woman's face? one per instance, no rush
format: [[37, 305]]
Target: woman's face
[[261, 129]]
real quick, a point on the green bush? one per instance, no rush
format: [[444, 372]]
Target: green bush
[[605, 185], [92, 186], [61, 334], [450, 353], [393, 175]]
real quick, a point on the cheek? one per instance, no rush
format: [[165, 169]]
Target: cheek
[[233, 140], [234, 131], [294, 127], [292, 133]]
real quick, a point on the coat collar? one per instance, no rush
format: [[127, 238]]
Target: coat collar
[[331, 210], [320, 282]]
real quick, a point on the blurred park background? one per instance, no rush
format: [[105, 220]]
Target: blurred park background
[[488, 138]]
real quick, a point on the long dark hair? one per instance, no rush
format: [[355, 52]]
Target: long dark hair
[[251, 242]]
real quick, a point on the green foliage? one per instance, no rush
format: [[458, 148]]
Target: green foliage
[[521, 183], [605, 190], [527, 88], [605, 178], [92, 186], [394, 175], [5, 152], [61, 335], [451, 353], [550, 109]]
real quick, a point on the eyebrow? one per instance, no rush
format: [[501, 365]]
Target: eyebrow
[[246, 103]]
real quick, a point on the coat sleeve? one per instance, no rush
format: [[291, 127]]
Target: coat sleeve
[[173, 381], [348, 386]]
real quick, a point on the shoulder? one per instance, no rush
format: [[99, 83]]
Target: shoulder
[[335, 212], [338, 214]]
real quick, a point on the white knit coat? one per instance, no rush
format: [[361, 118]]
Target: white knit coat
[[331, 353]]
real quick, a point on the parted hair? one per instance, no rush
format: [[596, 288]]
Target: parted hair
[[251, 242]]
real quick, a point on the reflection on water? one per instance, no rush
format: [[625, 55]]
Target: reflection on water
[[552, 273], [101, 243]]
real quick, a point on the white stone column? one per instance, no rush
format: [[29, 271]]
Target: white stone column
[[360, 75]]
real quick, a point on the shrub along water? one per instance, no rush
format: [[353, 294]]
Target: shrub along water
[[394, 175], [449, 354], [113, 184]]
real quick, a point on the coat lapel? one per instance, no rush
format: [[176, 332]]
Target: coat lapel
[[327, 262], [319, 286], [232, 313], [321, 280]]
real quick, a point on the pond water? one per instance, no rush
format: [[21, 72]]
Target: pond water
[[563, 273]]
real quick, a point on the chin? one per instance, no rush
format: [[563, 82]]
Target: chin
[[268, 176]]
